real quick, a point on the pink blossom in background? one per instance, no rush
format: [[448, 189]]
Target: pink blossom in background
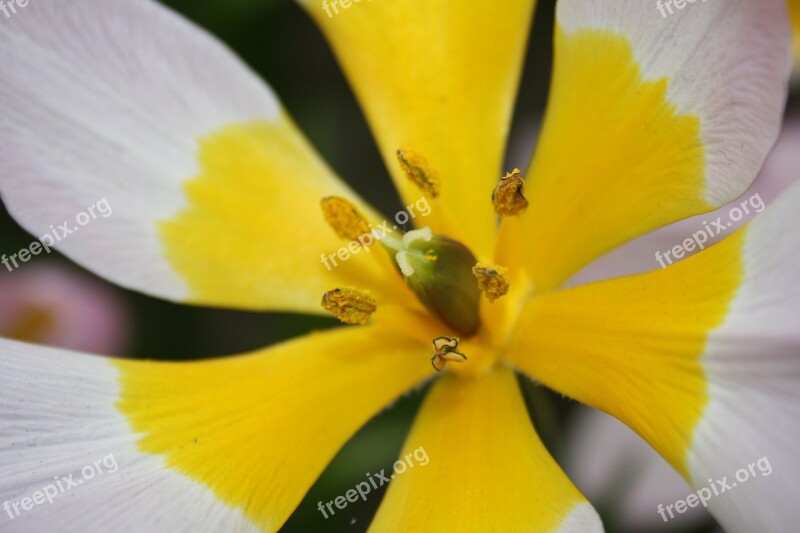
[[50, 304]]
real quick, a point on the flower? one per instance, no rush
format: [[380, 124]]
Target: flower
[[216, 201], [49, 304]]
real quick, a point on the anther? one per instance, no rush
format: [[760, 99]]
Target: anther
[[344, 218], [509, 195], [492, 280], [419, 172], [349, 305]]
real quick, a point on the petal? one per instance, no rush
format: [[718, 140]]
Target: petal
[[62, 435], [439, 77], [200, 188], [690, 236], [702, 359], [651, 120], [222, 445], [610, 464], [487, 470]]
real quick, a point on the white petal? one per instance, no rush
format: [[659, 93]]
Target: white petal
[[119, 101], [86, 119], [59, 419], [651, 120], [702, 359], [581, 519], [752, 364], [719, 69]]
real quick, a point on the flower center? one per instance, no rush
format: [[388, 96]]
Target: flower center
[[443, 273], [439, 272]]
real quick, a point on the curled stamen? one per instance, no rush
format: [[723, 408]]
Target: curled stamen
[[344, 218], [349, 305], [446, 352], [492, 280], [419, 172], [509, 195]]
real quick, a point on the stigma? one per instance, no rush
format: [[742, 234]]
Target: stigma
[[445, 348]]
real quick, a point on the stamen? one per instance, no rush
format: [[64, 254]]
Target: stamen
[[350, 305], [492, 280], [508, 197], [446, 352], [344, 218], [419, 172]]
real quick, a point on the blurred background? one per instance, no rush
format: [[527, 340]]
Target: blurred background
[[51, 301]]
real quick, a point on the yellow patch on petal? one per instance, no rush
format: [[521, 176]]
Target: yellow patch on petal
[[439, 77], [615, 159], [487, 470], [632, 346], [258, 429], [252, 235]]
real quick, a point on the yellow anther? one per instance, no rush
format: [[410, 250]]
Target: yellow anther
[[419, 172], [492, 280], [509, 195], [349, 305], [446, 352], [344, 218]]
